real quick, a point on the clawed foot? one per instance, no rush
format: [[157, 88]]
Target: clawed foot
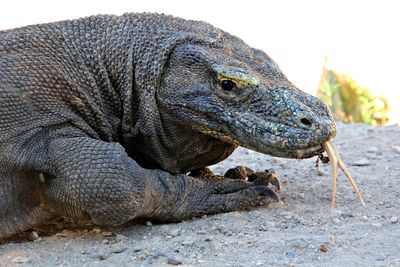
[[206, 193], [258, 178]]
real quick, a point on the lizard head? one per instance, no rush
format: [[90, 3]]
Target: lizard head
[[238, 95]]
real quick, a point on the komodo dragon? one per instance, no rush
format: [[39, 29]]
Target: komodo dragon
[[102, 118]]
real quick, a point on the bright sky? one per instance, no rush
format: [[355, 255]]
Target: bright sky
[[361, 38]]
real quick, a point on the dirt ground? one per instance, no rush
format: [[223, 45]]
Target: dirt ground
[[301, 231]]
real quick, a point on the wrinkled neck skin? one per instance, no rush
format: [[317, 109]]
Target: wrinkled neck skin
[[175, 147]]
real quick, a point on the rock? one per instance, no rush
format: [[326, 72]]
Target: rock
[[20, 259], [120, 237], [364, 218], [148, 223], [118, 249], [174, 260], [101, 257], [361, 162], [396, 149], [336, 220], [33, 236], [263, 228], [394, 219], [188, 242], [175, 232], [320, 172], [372, 149], [105, 241], [323, 247]]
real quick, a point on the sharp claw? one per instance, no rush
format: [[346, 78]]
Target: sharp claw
[[265, 178], [267, 192], [274, 180]]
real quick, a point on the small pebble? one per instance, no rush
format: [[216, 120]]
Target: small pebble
[[394, 219], [364, 218], [336, 220], [101, 257], [148, 223], [174, 260], [120, 237], [20, 259], [263, 228], [175, 232], [105, 241], [372, 149], [33, 236], [361, 162], [323, 248], [396, 149], [118, 249], [188, 242]]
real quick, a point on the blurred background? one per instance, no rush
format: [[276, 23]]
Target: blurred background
[[345, 52]]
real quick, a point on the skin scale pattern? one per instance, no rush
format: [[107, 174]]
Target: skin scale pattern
[[101, 119]]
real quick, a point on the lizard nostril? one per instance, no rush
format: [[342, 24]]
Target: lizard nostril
[[305, 121]]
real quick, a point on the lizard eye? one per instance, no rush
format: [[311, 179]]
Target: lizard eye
[[228, 85]]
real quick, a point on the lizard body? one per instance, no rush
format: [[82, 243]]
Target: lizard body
[[101, 119]]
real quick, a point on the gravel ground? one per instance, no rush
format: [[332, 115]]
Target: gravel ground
[[301, 231]]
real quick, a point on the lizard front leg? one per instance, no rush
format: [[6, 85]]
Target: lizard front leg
[[97, 181]]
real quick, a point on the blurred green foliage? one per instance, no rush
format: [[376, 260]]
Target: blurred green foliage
[[350, 102]]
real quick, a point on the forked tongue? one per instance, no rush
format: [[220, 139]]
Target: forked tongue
[[336, 161]]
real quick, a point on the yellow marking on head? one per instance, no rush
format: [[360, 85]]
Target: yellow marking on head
[[236, 75]]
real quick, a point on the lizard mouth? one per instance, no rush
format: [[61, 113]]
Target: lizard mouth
[[285, 152], [301, 153], [297, 153]]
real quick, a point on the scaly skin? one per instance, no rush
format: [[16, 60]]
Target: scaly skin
[[102, 117]]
